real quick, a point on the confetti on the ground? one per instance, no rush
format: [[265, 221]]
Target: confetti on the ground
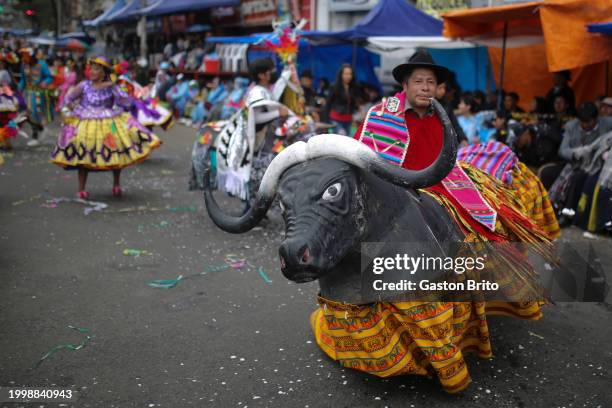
[[192, 208], [235, 262], [166, 283], [67, 346], [136, 252], [27, 200], [535, 335], [262, 273], [141, 208], [91, 205]]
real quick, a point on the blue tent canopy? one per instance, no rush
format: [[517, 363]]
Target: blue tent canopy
[[123, 14], [119, 4], [602, 28], [181, 6], [388, 18]]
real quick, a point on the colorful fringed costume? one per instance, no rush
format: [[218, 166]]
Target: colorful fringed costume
[[430, 338], [499, 161], [100, 133]]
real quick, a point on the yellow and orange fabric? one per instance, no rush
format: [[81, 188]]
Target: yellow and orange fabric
[[429, 339]]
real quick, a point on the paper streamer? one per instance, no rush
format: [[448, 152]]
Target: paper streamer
[[166, 283], [67, 346], [262, 273], [93, 205], [136, 252]]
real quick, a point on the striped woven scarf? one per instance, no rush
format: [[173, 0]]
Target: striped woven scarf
[[494, 158]]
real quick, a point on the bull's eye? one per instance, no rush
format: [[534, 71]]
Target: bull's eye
[[332, 192]]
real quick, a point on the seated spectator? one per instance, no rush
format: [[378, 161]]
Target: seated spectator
[[192, 93], [480, 101], [473, 123], [178, 95], [594, 211], [562, 111], [524, 145], [196, 110], [491, 101], [535, 144], [580, 132], [467, 119], [538, 106], [218, 92], [194, 58], [561, 87], [511, 100], [548, 141], [504, 133], [233, 102], [605, 107]]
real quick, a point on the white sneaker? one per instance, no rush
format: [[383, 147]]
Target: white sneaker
[[33, 143]]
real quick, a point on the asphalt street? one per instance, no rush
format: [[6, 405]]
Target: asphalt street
[[223, 336]]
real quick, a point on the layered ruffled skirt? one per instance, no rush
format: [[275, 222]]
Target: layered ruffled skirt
[[154, 113], [103, 144]]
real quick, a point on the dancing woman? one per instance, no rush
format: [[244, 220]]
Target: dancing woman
[[98, 132]]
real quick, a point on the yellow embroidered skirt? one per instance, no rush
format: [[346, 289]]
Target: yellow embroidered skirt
[[103, 144], [388, 339]]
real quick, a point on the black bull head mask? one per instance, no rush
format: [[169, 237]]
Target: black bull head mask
[[323, 197]]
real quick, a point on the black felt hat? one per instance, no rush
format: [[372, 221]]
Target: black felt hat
[[420, 59]]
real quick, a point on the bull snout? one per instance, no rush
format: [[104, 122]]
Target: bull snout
[[295, 253], [296, 260]]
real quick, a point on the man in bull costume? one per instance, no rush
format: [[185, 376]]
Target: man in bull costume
[[400, 183], [405, 131]]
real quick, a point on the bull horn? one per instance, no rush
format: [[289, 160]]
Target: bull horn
[[342, 148]]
